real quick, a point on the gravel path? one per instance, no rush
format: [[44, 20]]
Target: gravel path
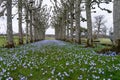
[[48, 42]]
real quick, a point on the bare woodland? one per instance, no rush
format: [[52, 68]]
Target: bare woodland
[[65, 18]]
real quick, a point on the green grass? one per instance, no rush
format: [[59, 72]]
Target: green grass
[[105, 41], [51, 62], [16, 40], [3, 40], [50, 38]]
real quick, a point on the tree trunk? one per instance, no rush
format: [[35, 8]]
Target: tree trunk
[[89, 23], [71, 21], [20, 21], [39, 30], [31, 29], [10, 42], [43, 34], [57, 32], [63, 27], [116, 19], [77, 27], [27, 22], [59, 28], [67, 26], [35, 26]]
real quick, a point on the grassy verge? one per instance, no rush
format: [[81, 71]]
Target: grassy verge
[[51, 62]]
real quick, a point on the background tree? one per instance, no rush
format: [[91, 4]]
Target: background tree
[[111, 30], [67, 15], [104, 30], [36, 18], [3, 7], [99, 24]]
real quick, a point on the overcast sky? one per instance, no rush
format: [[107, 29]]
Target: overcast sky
[[108, 17]]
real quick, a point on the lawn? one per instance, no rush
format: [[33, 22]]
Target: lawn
[[3, 40], [105, 41], [16, 39], [52, 62], [49, 38]]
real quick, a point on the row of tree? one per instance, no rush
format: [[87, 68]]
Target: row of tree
[[68, 15], [30, 12]]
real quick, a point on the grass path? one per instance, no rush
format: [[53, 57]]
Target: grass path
[[57, 60]]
